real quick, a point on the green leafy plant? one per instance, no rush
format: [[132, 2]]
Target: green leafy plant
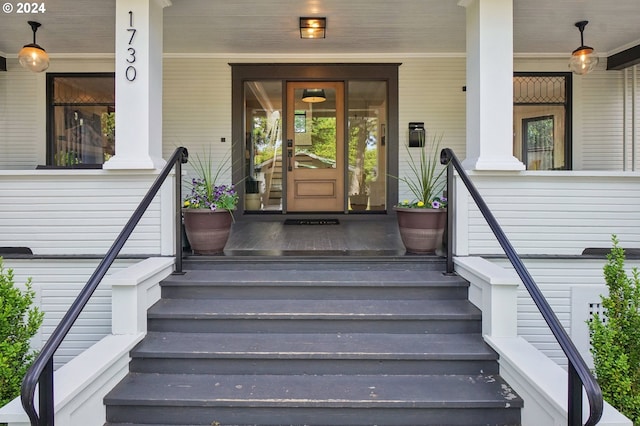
[[19, 322], [206, 192], [66, 158], [615, 339], [427, 180]]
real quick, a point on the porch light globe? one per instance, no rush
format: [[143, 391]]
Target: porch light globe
[[583, 60], [33, 58]]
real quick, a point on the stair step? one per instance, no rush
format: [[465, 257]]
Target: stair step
[[311, 399], [291, 353], [313, 340], [312, 284], [319, 316]]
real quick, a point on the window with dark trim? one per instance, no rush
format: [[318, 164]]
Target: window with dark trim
[[80, 119], [542, 120]]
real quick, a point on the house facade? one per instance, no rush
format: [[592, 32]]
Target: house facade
[[70, 176]]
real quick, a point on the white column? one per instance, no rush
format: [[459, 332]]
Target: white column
[[138, 85], [490, 85]]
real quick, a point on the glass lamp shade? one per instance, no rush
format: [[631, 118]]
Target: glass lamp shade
[[33, 58], [583, 60], [313, 27], [313, 96]]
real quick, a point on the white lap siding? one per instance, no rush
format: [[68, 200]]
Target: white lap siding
[[57, 283], [555, 213], [72, 212]]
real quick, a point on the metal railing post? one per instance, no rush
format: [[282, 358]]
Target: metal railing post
[[45, 392], [178, 217], [574, 407], [450, 208]]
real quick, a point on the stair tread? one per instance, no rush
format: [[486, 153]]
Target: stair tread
[[346, 278], [314, 345], [437, 391], [314, 309]]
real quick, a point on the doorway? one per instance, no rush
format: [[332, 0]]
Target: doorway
[[315, 147], [333, 153]]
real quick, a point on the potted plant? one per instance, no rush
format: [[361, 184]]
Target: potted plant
[[422, 221], [208, 209]]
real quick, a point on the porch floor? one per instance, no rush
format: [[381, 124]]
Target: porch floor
[[355, 235]]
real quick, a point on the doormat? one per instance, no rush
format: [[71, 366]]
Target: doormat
[[311, 222]]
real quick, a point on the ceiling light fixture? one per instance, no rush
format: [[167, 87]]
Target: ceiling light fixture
[[32, 56], [583, 59], [313, 27], [313, 96]]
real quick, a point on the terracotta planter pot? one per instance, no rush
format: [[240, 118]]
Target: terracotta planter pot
[[207, 231], [421, 230]]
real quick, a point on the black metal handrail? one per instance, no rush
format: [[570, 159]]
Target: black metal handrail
[[41, 371], [579, 375]]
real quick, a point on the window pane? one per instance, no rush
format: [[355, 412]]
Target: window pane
[[82, 119], [541, 137], [367, 145], [316, 143], [263, 167]]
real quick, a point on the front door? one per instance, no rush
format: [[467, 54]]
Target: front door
[[314, 148]]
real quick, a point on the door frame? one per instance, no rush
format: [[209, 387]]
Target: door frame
[[388, 72]]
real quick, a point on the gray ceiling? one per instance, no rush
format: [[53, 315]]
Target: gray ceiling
[[367, 27]]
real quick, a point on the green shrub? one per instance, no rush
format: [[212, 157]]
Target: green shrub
[[19, 321], [616, 338]]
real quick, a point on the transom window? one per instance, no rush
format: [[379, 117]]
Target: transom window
[[81, 119]]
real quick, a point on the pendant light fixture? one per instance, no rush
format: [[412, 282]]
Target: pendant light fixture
[[32, 56], [583, 59], [313, 96]]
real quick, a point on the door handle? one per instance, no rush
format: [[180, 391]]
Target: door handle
[[290, 159]]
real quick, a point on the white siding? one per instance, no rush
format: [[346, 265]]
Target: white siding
[[74, 212], [556, 213], [556, 278], [602, 120], [197, 109], [430, 91], [18, 135], [57, 284]]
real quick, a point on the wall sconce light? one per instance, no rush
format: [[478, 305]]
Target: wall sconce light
[[313, 96], [32, 56], [583, 59], [313, 27]]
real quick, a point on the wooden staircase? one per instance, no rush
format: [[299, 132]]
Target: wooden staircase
[[336, 341], [273, 190]]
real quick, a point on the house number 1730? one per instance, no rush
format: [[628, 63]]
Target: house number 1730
[[130, 72]]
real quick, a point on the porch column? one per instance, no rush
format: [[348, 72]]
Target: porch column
[[138, 85], [490, 85]]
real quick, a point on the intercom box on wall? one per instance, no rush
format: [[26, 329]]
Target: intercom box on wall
[[416, 134]]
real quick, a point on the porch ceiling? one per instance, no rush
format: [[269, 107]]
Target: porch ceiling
[[368, 27]]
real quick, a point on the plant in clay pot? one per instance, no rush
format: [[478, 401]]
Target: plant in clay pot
[[422, 220], [208, 209]]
